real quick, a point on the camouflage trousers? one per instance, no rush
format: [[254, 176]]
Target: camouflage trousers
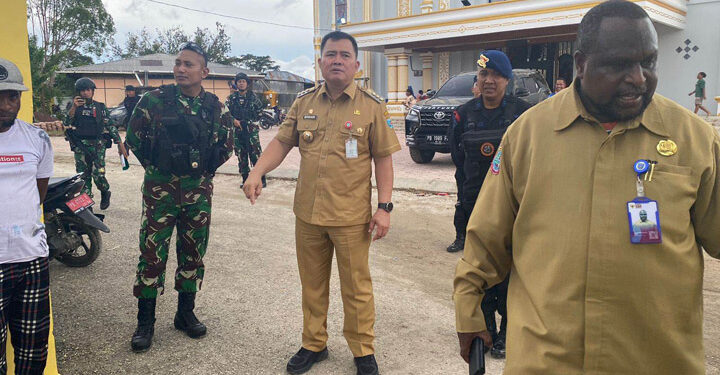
[[247, 148], [173, 202], [89, 164]]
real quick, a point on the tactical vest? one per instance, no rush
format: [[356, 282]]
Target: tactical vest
[[181, 145], [240, 106], [481, 138], [89, 121]]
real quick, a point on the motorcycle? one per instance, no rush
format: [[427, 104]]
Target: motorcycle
[[270, 117], [72, 229]]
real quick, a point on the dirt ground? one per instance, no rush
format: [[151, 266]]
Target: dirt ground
[[251, 295]]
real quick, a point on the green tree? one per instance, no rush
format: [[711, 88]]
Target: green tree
[[215, 43], [252, 62], [61, 33]]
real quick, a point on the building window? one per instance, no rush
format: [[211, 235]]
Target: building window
[[341, 12]]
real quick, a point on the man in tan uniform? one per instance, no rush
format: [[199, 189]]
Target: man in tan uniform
[[339, 128], [553, 212]]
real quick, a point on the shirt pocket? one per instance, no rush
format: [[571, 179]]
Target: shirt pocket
[[308, 134], [360, 132], [674, 187]]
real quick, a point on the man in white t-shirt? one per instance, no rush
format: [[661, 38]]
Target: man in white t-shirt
[[26, 164]]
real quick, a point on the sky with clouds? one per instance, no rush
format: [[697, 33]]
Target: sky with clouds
[[291, 48]]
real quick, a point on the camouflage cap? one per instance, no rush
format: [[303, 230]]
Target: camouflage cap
[[10, 77]]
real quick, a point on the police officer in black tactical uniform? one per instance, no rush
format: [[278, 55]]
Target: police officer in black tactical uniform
[[475, 134], [130, 101]]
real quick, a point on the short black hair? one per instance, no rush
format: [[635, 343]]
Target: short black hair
[[590, 25], [703, 74], [339, 35]]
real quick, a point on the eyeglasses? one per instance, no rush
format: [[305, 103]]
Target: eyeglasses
[[192, 46]]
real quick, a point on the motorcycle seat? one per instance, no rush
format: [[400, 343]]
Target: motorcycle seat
[[57, 181]]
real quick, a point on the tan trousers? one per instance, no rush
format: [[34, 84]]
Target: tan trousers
[[315, 246]]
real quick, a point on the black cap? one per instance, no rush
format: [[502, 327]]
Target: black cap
[[129, 88]]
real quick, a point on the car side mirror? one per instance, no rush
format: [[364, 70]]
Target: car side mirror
[[521, 91]]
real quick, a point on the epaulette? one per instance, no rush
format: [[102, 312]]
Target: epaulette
[[303, 93], [373, 94]]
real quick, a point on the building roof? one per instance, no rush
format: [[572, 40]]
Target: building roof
[[159, 63], [282, 75]]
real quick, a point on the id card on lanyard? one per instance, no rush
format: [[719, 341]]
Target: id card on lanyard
[[351, 149], [643, 212]]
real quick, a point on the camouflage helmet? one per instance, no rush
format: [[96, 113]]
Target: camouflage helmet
[[241, 76], [84, 83]]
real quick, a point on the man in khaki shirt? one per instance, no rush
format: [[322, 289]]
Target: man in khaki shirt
[[554, 213], [339, 128]]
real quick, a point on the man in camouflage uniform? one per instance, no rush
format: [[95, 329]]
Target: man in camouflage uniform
[[245, 107], [181, 134], [87, 125]]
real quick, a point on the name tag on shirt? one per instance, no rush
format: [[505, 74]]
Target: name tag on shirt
[[310, 117], [351, 150]]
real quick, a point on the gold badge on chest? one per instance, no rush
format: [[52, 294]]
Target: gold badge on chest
[[308, 136], [667, 147]]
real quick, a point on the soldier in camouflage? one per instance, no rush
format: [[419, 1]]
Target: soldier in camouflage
[[181, 134], [88, 127], [245, 107]]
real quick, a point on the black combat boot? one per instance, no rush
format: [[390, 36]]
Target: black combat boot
[[142, 338], [458, 245], [185, 319], [264, 181], [498, 348], [104, 200]]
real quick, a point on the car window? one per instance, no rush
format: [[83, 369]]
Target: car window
[[457, 86], [530, 84]]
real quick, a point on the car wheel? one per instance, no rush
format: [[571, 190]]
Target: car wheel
[[421, 156]]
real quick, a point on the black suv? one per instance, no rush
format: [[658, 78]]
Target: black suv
[[427, 123]]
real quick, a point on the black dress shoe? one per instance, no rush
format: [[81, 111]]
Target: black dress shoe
[[366, 365], [304, 360]]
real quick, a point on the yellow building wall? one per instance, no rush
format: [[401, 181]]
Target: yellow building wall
[[14, 47]]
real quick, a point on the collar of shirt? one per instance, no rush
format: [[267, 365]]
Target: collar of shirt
[[186, 100], [350, 90], [570, 107]]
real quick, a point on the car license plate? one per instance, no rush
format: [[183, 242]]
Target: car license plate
[[436, 138], [80, 202]]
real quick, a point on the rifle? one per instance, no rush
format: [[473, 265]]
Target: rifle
[[90, 158]]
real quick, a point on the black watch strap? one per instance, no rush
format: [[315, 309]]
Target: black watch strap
[[386, 206]]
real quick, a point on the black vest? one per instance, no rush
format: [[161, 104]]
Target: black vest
[[89, 121], [182, 141], [484, 129]]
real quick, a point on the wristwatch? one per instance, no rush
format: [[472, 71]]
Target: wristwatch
[[386, 206]]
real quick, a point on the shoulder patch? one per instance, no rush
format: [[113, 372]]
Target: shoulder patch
[[373, 95], [495, 167], [303, 93]]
